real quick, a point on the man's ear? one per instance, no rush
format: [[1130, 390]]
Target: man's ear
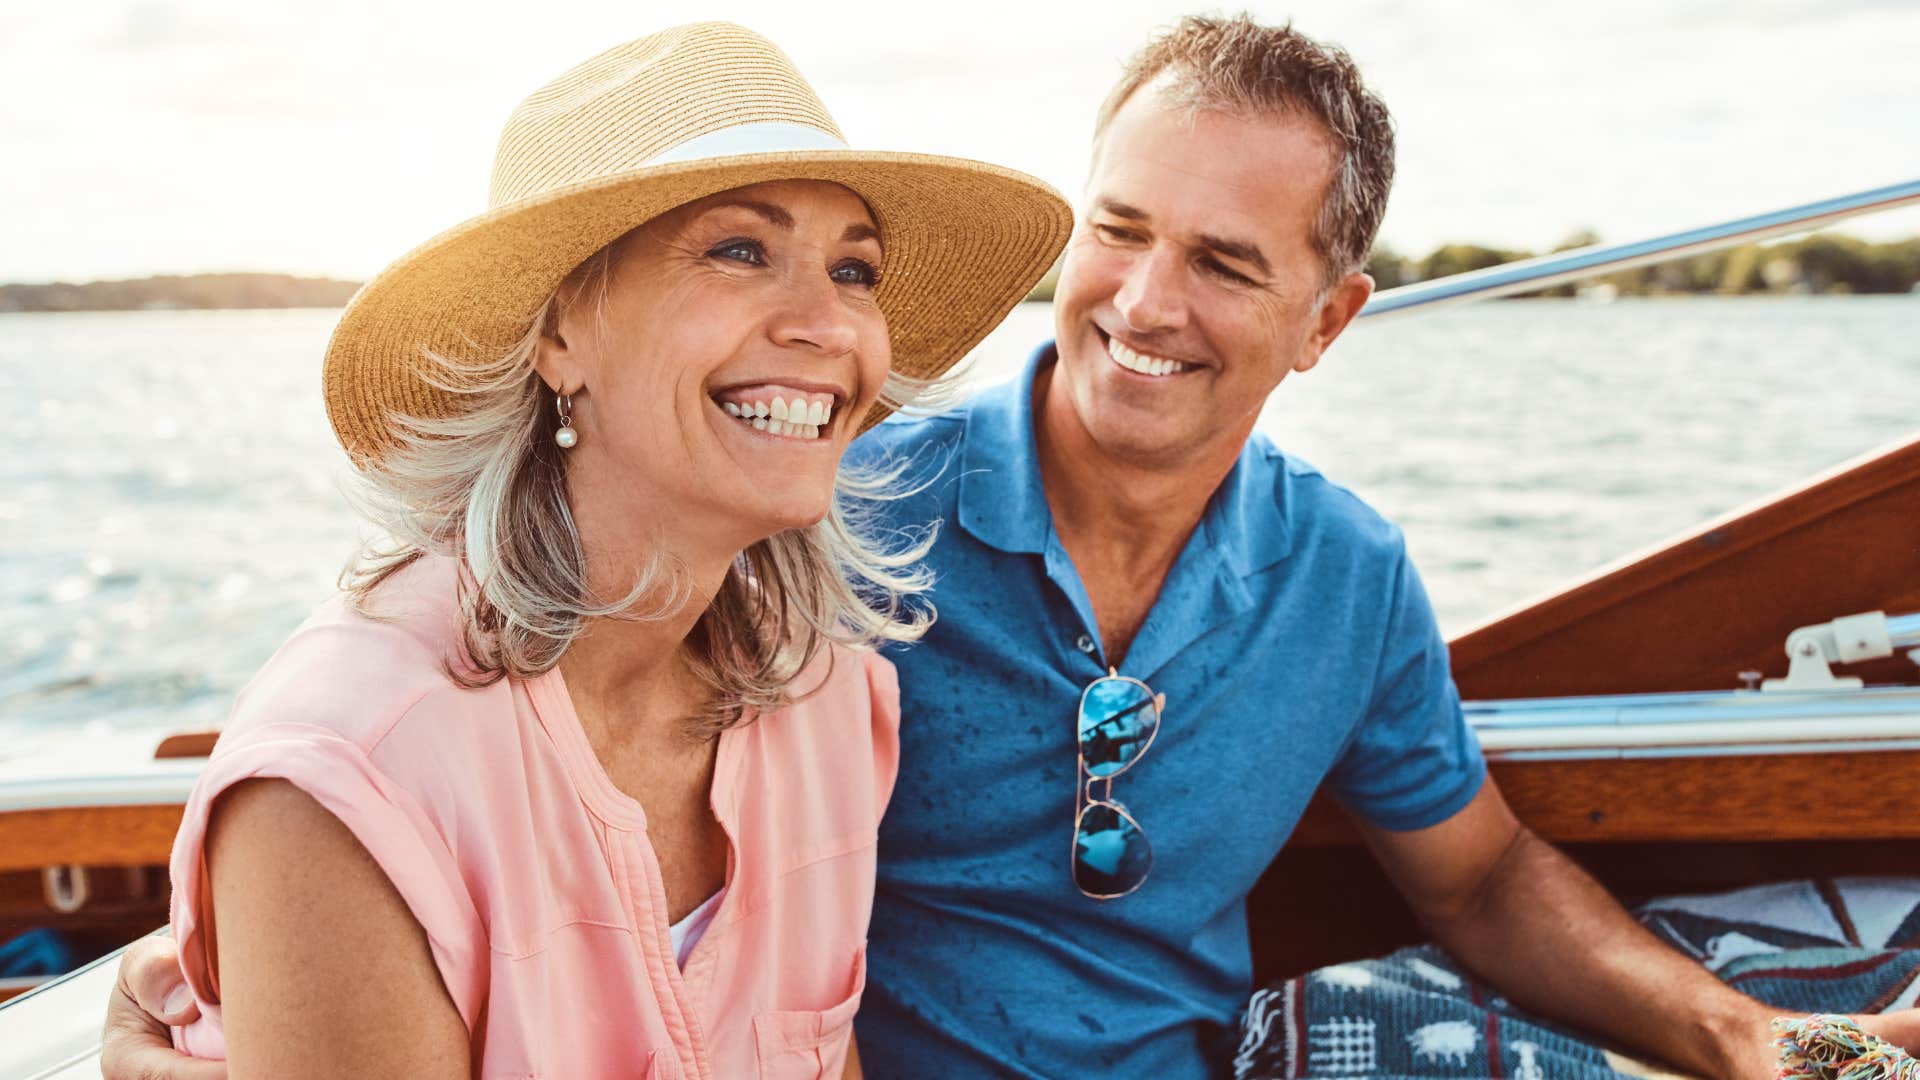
[[1342, 302]]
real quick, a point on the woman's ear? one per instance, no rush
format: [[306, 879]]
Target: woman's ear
[[556, 361], [560, 358]]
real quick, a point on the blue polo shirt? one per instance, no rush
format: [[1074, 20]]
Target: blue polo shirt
[[1294, 644]]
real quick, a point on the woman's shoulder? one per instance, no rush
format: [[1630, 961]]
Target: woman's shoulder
[[843, 682], [845, 723], [354, 670]]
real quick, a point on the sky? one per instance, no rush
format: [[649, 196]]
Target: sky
[[144, 137]]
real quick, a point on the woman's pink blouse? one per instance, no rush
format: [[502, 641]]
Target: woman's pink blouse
[[531, 873]]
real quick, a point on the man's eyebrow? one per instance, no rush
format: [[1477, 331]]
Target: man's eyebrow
[[1237, 249], [1241, 250], [1119, 209], [775, 216]]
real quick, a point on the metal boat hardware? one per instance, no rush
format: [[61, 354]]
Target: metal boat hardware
[[1870, 635]]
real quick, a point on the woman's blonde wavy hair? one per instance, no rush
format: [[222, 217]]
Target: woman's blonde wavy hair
[[488, 486]]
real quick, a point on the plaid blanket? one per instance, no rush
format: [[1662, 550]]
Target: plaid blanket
[[1826, 946]]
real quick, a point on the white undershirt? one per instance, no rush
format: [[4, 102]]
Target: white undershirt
[[686, 933]]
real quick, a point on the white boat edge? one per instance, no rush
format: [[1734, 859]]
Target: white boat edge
[[52, 1032]]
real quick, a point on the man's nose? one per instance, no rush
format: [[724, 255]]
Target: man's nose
[[815, 315], [1153, 294]]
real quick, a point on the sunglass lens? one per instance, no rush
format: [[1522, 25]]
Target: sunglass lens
[[1117, 718], [1111, 855]]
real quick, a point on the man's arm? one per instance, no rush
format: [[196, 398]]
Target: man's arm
[[1537, 927]]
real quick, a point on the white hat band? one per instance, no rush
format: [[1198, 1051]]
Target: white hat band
[[765, 137]]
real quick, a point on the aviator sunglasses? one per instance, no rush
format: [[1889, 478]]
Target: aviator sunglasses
[[1118, 719]]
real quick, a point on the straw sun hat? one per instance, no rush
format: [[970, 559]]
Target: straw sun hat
[[648, 126]]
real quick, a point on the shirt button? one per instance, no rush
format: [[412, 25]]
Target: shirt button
[[1084, 644]]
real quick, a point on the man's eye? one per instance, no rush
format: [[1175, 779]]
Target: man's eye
[[1114, 232], [736, 250], [856, 272], [1220, 270]]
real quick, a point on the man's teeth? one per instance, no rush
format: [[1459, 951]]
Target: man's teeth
[[1145, 365], [796, 418]]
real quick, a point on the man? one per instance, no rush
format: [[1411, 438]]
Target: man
[[1111, 511]]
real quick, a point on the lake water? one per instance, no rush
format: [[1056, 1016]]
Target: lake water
[[170, 508]]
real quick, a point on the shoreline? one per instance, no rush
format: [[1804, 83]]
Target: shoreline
[[1578, 301]]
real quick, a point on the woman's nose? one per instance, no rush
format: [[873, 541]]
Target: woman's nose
[[815, 315]]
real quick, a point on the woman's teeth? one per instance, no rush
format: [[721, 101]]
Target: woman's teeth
[[795, 418], [1142, 363]]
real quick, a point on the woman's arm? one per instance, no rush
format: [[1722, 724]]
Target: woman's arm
[[322, 970]]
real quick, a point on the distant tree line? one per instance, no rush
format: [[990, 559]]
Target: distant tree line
[[180, 292], [1817, 264]]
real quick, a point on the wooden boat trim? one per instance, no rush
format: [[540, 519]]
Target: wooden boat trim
[[1622, 635], [137, 835], [187, 744], [1767, 797]]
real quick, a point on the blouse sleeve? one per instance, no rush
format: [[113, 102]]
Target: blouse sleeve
[[883, 688], [382, 816]]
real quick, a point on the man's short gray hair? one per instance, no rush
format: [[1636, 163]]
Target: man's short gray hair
[[1237, 64]]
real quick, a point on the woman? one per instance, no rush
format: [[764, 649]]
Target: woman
[[580, 776]]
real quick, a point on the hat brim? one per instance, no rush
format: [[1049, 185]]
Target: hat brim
[[965, 242]]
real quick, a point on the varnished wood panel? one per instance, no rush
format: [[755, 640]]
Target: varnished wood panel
[[1692, 614], [1322, 905], [187, 744], [94, 836], [1761, 797], [1644, 827]]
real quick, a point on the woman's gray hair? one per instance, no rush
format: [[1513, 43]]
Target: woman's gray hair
[[487, 486]]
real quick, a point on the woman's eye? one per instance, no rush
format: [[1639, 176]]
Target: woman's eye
[[745, 251], [857, 272]]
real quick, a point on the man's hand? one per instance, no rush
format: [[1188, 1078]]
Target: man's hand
[[150, 995]]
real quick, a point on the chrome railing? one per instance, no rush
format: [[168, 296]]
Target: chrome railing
[[1698, 724], [1682, 724], [1566, 266]]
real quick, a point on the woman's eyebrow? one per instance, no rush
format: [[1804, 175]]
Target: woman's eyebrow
[[774, 215], [780, 219]]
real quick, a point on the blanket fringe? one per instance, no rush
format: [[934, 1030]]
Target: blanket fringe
[[1836, 1048]]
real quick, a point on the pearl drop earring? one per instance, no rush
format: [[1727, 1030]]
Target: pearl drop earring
[[566, 436]]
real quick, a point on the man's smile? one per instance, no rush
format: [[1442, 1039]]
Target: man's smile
[[1143, 363]]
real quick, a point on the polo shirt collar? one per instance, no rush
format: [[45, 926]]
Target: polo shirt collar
[[1248, 518], [1003, 503]]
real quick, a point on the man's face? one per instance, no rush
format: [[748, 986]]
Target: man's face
[[1191, 287]]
